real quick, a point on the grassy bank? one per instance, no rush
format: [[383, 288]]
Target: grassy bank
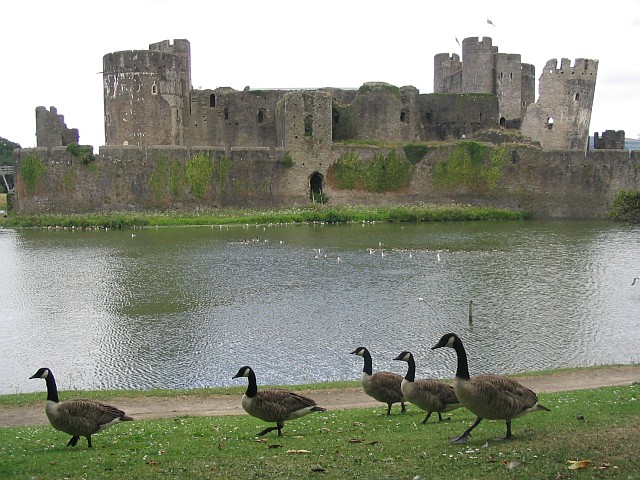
[[600, 426], [3, 201], [312, 213]]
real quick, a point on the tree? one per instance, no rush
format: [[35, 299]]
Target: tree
[[6, 147]]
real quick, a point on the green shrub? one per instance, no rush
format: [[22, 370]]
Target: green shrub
[[84, 153], [626, 206], [199, 171]]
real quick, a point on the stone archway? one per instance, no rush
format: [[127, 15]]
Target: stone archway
[[316, 182]]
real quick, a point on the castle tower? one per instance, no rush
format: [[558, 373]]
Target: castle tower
[[477, 65], [528, 87], [560, 118], [444, 66], [51, 131], [303, 121], [508, 82], [145, 92]]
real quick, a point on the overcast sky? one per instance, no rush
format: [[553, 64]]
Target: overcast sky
[[52, 50]]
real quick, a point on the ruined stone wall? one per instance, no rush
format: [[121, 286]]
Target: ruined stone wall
[[127, 178], [560, 119], [228, 117], [51, 131], [450, 116], [611, 140], [444, 66]]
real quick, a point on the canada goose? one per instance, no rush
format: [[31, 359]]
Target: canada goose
[[494, 397], [78, 417], [274, 405], [383, 386], [430, 395]]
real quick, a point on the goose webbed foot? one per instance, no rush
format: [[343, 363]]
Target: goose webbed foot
[[460, 440], [269, 429]]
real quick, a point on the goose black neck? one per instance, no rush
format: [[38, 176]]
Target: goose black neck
[[368, 364], [252, 387], [463, 365], [52, 389], [411, 370]]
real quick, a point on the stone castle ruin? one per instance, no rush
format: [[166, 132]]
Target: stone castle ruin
[[481, 138], [149, 100]]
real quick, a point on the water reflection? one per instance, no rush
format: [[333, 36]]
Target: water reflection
[[185, 307]]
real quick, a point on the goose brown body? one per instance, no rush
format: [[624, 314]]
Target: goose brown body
[[383, 386], [494, 397], [274, 405], [428, 394], [77, 417]]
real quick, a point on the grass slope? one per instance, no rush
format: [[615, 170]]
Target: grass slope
[[598, 425]]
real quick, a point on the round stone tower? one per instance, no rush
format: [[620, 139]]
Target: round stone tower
[[145, 92], [477, 65]]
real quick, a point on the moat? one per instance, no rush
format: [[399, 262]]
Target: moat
[[185, 307]]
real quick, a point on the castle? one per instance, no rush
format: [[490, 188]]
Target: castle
[[149, 100], [480, 138]]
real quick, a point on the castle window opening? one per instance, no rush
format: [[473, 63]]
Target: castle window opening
[[503, 122], [428, 116], [549, 123], [404, 116], [212, 100], [261, 113], [576, 97], [226, 113], [308, 126], [154, 89], [335, 116]]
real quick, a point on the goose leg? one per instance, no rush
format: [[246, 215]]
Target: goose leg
[[73, 441], [427, 418], [467, 433], [267, 430], [388, 408], [508, 430], [404, 407], [89, 440], [443, 419]]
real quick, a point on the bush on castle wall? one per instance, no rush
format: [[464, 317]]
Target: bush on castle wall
[[385, 173], [626, 206], [32, 172], [471, 165]]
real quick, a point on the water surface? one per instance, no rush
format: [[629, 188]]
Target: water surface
[[186, 307]]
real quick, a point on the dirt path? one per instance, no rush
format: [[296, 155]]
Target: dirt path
[[167, 407]]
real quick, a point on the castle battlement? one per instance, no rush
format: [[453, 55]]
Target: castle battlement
[[581, 66]]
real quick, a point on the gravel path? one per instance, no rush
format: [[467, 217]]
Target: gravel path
[[213, 405]]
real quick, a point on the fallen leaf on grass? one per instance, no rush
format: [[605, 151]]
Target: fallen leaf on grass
[[275, 445], [298, 451], [578, 464]]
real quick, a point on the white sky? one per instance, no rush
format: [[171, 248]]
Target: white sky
[[52, 50]]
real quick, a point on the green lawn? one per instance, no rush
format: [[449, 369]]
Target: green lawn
[[599, 425]]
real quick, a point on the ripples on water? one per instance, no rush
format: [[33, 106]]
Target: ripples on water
[[186, 307]]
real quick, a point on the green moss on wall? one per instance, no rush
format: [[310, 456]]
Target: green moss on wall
[[471, 165], [166, 179], [198, 174], [415, 152], [32, 172], [68, 182], [385, 173]]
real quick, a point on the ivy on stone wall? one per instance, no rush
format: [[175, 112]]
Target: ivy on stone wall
[[166, 179], [32, 172], [471, 165], [415, 152], [68, 180], [198, 174], [385, 173]]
